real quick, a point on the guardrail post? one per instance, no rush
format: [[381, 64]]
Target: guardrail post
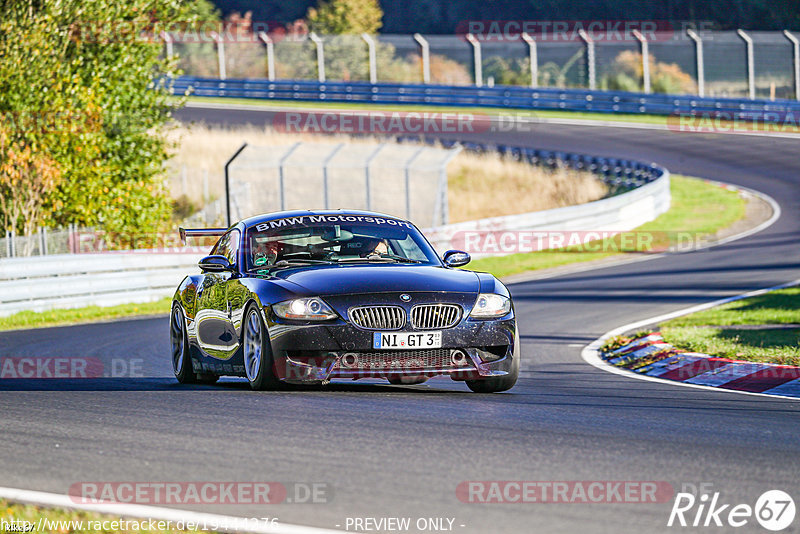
[[168, 41], [425, 52], [751, 75], [281, 172], [320, 56], [698, 54], [644, 48], [476, 59], [220, 55], [590, 59], [366, 172], [533, 57], [264, 36], [373, 61], [327, 160], [407, 176], [227, 183], [795, 61]]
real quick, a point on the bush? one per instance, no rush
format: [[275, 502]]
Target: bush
[[626, 74]]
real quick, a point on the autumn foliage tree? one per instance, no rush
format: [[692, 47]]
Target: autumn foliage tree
[[85, 105]]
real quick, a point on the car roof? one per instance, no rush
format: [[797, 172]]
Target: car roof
[[274, 216]]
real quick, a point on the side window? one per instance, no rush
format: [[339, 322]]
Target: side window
[[228, 245]]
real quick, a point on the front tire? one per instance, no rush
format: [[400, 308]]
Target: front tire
[[256, 352]]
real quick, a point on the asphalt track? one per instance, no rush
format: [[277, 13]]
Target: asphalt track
[[402, 451]]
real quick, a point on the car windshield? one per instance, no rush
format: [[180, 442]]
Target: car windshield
[[343, 239]]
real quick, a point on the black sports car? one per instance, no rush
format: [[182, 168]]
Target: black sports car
[[311, 296]]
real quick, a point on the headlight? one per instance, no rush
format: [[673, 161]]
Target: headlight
[[307, 309], [490, 305]]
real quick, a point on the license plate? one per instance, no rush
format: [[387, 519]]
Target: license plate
[[406, 340]]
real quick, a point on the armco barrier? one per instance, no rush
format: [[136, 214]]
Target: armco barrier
[[495, 97], [76, 280]]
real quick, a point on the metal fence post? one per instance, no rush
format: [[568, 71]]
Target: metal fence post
[[373, 60], [476, 59], [280, 173], [443, 201], [325, 163], [12, 251], [644, 47], [227, 183], [751, 75], [168, 41], [320, 56], [264, 36], [425, 52], [698, 53], [533, 57], [220, 54], [366, 172], [795, 61], [590, 59], [407, 176]]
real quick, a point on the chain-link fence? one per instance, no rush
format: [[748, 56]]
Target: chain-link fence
[[402, 180], [734, 64]]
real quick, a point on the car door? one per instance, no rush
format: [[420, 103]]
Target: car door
[[216, 334]]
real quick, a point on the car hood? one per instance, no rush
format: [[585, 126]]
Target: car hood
[[349, 279]]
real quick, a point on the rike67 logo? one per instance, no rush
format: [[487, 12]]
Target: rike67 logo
[[774, 510]]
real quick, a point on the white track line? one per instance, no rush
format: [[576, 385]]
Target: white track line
[[221, 523], [525, 120], [591, 353]]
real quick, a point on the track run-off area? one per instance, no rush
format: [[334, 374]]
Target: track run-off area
[[385, 451]]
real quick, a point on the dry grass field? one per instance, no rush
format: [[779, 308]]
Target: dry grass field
[[479, 185]]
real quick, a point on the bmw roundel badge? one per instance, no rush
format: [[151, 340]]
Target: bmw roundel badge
[[405, 297]]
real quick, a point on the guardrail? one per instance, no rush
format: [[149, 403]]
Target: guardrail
[[507, 97], [75, 280]]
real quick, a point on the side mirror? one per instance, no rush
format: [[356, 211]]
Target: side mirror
[[215, 264], [456, 258]]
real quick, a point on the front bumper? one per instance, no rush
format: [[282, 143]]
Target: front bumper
[[471, 350]]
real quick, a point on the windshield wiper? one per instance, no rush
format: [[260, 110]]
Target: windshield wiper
[[382, 257], [290, 262]]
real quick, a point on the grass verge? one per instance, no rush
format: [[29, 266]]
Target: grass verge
[[28, 518], [748, 329], [30, 319], [698, 207]]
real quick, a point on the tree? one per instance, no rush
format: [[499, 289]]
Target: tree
[[337, 17], [84, 87]]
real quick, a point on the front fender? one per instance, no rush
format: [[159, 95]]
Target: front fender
[[186, 295]]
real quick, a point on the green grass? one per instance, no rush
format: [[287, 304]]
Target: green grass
[[697, 207], [89, 521], [29, 319], [776, 307], [544, 114], [714, 331]]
